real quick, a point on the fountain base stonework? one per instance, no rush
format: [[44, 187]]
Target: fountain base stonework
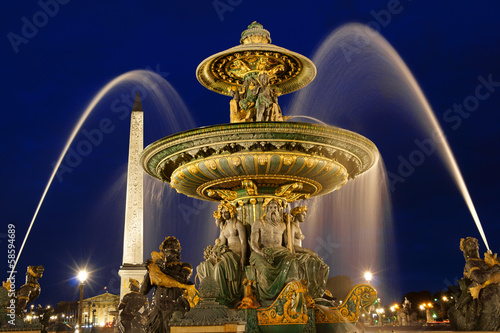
[[256, 167]]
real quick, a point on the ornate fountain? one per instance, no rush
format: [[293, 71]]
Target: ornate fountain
[[255, 167]]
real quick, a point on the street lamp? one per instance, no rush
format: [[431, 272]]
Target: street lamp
[[427, 307], [32, 314], [368, 276], [82, 276], [395, 308], [380, 313]]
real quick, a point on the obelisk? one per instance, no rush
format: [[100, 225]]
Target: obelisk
[[133, 233]]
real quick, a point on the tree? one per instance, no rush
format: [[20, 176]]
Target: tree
[[443, 302]]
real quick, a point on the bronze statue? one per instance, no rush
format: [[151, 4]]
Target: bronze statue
[[311, 266], [236, 114], [264, 100], [30, 290], [132, 307], [226, 260], [256, 100], [44, 316], [173, 290], [478, 302], [248, 97], [275, 265]]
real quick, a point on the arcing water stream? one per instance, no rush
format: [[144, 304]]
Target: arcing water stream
[[360, 68], [150, 82]]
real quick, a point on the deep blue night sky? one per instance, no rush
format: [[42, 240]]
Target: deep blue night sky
[[51, 71]]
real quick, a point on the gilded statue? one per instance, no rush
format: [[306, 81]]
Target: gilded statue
[[478, 302], [266, 105], [30, 290], [256, 100], [173, 290], [236, 114], [248, 97]]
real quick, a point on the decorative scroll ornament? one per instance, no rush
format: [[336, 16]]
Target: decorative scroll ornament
[[249, 187], [226, 195], [288, 308], [309, 300], [361, 297], [287, 191]]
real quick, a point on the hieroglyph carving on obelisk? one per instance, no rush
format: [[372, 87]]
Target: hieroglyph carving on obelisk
[[132, 266]]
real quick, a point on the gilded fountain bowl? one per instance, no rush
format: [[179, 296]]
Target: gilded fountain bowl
[[209, 162]]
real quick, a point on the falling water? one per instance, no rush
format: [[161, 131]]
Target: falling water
[[360, 209], [316, 120], [149, 84], [360, 76], [165, 212]]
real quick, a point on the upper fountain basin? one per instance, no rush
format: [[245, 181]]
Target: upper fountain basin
[[202, 162]]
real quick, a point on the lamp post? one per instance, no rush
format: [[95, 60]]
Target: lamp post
[[427, 307], [395, 310], [82, 276], [380, 312], [368, 277], [93, 315]]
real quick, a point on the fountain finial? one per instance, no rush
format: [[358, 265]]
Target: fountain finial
[[255, 33]]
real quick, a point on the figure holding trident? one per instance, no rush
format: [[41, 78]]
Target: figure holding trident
[[288, 218], [275, 265]]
